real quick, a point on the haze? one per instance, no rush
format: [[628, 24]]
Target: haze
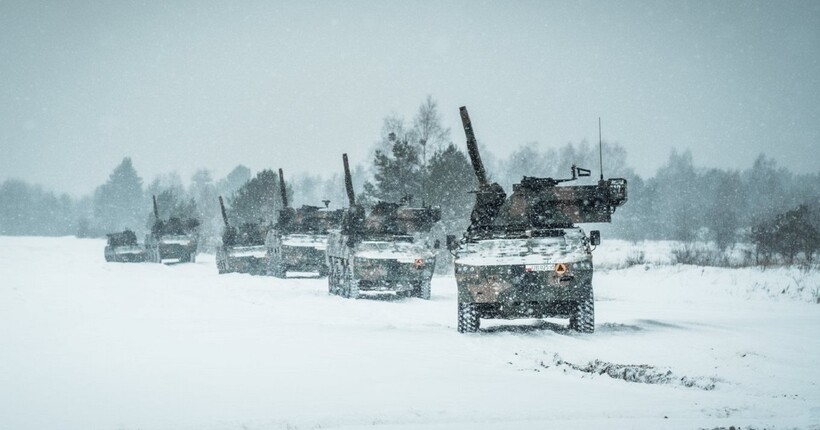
[[212, 84]]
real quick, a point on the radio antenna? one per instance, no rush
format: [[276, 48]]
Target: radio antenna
[[600, 149]]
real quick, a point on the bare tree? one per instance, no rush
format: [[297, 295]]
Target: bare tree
[[428, 129]]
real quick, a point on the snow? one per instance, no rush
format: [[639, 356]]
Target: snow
[[306, 241], [569, 248], [403, 252], [89, 344], [258, 251]]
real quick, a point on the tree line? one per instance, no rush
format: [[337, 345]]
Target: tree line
[[418, 159]]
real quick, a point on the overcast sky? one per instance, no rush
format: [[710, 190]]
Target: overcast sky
[[183, 85]]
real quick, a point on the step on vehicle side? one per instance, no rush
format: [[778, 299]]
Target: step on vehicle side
[[174, 240], [523, 256], [385, 251], [298, 241], [123, 248], [243, 249]]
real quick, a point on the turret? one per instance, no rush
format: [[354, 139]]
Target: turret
[[286, 214], [156, 209], [489, 197], [224, 213], [282, 189], [472, 148], [351, 196]]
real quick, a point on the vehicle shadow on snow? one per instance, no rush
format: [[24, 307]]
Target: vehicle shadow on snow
[[386, 297], [532, 327], [544, 325]]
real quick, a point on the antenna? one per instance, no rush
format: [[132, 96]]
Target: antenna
[[600, 149]]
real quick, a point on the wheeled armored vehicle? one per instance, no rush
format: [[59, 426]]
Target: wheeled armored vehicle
[[243, 248], [123, 248], [172, 240], [523, 256], [385, 250], [298, 241]]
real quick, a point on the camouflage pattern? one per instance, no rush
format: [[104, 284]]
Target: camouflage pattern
[[383, 251], [298, 241], [243, 249], [523, 256], [123, 248], [174, 239]]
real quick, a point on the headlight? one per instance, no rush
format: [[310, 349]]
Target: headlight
[[583, 265], [466, 269]]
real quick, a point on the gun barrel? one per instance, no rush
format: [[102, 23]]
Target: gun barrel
[[282, 189], [224, 214], [472, 147], [351, 196], [156, 209]]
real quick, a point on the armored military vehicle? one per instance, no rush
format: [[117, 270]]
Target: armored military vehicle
[[383, 251], [123, 248], [523, 256], [172, 240], [298, 241], [243, 249]]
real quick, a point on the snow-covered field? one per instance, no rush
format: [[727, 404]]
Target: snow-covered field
[[86, 344]]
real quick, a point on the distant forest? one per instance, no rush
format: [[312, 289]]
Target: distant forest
[[419, 158]]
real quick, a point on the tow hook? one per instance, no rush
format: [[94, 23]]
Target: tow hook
[[567, 278]]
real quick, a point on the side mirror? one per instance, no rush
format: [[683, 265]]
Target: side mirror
[[437, 244], [452, 243], [595, 237]]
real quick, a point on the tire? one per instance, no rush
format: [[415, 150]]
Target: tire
[[582, 319], [422, 290], [468, 318], [351, 286], [275, 267], [221, 262], [332, 288], [153, 253]]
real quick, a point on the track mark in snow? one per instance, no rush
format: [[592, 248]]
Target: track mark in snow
[[639, 373], [635, 373], [617, 328]]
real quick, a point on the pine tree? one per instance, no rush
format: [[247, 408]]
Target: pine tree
[[118, 204], [449, 182], [396, 176], [259, 199]]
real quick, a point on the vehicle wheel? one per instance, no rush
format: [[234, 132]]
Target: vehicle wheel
[[275, 268], [582, 319], [422, 290], [468, 319], [154, 255], [331, 278], [351, 284]]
